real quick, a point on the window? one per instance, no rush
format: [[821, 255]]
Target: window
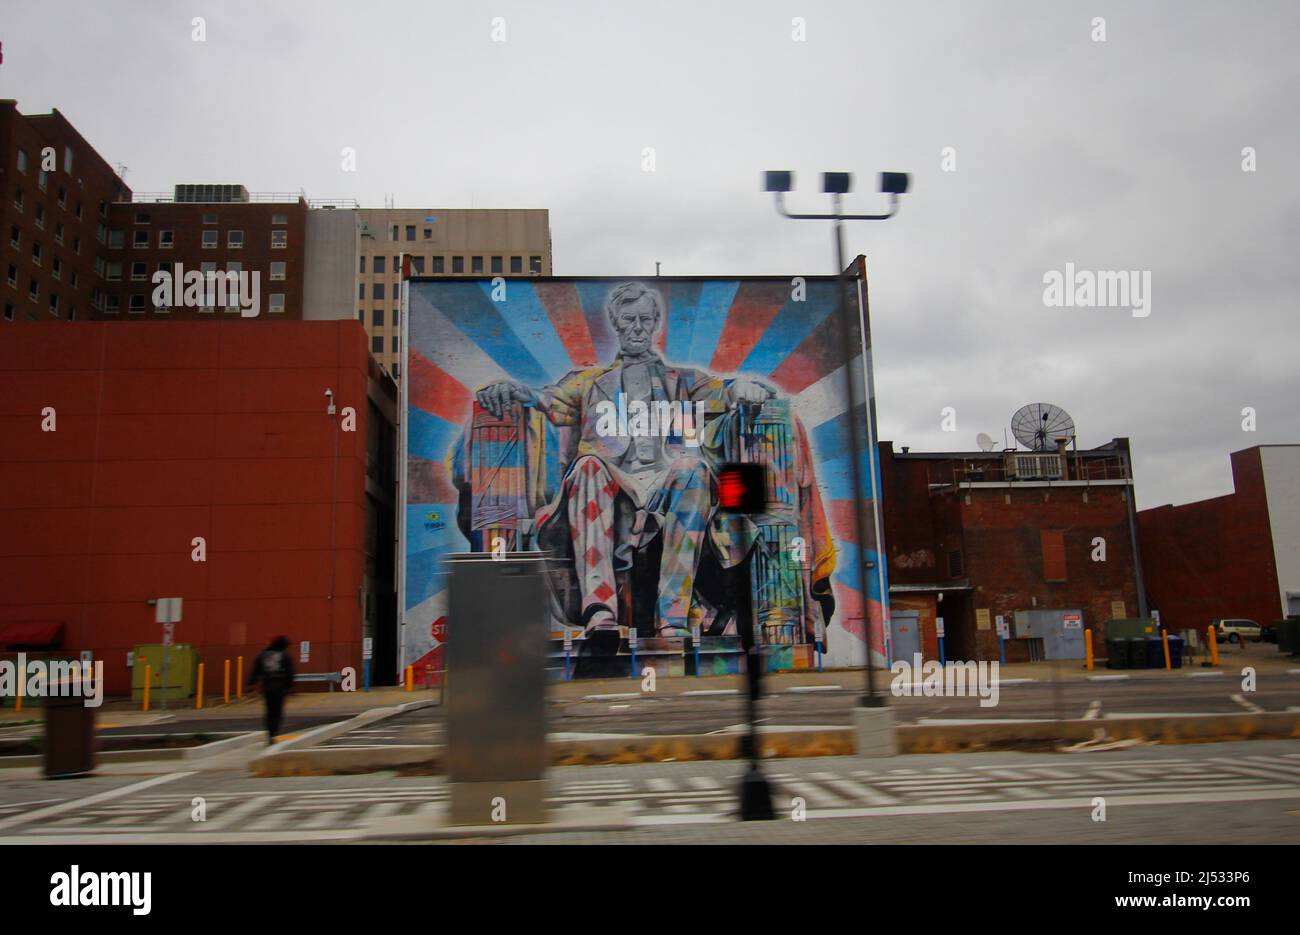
[[18, 198], [9, 311], [279, 218], [361, 290], [458, 264], [76, 245], [279, 240], [377, 318], [397, 317], [22, 162], [277, 270], [954, 563], [40, 216], [36, 254], [397, 369], [363, 265], [67, 159], [437, 264], [394, 343], [34, 290], [417, 265], [56, 267], [63, 197], [209, 219], [235, 267], [74, 279], [15, 235], [115, 271], [497, 265], [394, 237], [54, 303], [78, 210], [142, 217], [112, 304], [397, 264], [361, 315], [277, 301], [58, 233], [42, 180], [101, 234], [380, 264], [235, 240], [476, 264], [140, 240], [428, 233], [516, 264], [377, 344], [13, 276], [114, 239], [166, 239], [72, 313], [535, 265], [137, 304], [378, 291], [210, 239], [139, 272], [410, 231], [1053, 544]]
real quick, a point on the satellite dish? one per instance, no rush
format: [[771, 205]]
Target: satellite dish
[[1038, 424], [985, 442]]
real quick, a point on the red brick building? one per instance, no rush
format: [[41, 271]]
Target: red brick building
[[191, 230], [975, 535], [56, 193], [1231, 556], [122, 445]]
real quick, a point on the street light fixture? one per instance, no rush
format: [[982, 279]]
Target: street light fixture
[[838, 184]]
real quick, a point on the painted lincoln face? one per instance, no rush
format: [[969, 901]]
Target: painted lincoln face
[[635, 323]]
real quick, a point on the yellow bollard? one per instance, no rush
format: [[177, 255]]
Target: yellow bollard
[[148, 675], [225, 690], [198, 695], [1087, 650], [239, 679], [1214, 646], [410, 678], [1164, 638]]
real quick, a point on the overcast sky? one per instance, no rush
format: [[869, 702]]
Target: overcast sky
[[1117, 155]]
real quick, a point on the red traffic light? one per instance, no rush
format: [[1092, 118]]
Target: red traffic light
[[742, 488]]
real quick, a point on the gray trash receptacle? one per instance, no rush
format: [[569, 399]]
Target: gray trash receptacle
[[69, 744]]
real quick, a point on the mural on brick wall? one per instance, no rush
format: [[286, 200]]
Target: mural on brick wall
[[588, 417]]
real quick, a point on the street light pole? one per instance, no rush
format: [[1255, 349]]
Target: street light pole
[[836, 184]]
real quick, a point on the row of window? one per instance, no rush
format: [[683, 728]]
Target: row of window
[[437, 265], [34, 293], [20, 202], [377, 317], [211, 239], [56, 270], [377, 344], [140, 270], [279, 219], [136, 304]]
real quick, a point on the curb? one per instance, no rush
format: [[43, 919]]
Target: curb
[[803, 742], [298, 756]]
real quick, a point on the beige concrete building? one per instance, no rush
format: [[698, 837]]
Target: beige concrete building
[[354, 259]]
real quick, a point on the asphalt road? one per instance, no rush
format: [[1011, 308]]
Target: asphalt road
[[1240, 793]]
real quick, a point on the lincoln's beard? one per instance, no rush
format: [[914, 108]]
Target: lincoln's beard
[[633, 353]]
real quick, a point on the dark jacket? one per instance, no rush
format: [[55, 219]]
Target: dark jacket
[[274, 668]]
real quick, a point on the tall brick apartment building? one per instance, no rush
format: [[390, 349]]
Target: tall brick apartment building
[[209, 229], [56, 197], [975, 535]]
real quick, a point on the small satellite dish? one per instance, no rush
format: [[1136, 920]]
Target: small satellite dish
[[985, 442], [1038, 424]]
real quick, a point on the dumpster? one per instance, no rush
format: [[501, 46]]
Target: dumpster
[[1155, 652], [1137, 652], [1117, 653], [69, 744], [1176, 651]]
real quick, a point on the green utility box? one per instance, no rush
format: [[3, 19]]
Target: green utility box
[[182, 672], [1131, 627]]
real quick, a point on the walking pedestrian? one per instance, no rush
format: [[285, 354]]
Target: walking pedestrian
[[274, 669]]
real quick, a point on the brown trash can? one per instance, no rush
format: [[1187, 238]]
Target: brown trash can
[[69, 745]]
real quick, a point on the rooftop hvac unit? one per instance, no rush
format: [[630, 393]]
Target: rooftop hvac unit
[[210, 194], [1033, 466]]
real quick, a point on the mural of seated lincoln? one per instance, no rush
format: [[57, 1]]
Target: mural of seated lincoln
[[633, 512]]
